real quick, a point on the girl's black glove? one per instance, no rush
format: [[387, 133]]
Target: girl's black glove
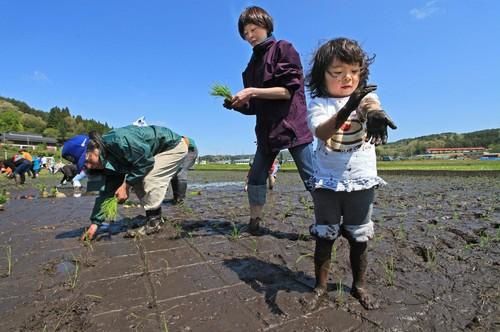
[[376, 127], [352, 104]]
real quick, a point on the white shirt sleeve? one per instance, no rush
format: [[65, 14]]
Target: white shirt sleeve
[[317, 113]]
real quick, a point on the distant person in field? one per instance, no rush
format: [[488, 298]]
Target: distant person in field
[[28, 157], [22, 166], [37, 165], [73, 151], [143, 158], [347, 118], [273, 92], [7, 166], [69, 171]]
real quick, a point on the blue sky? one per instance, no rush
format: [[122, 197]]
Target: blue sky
[[437, 62]]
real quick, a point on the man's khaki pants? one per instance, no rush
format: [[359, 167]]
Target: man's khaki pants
[[152, 190]]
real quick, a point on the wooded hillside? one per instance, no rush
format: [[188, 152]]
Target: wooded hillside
[[17, 116]]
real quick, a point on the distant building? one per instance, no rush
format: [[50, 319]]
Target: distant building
[[490, 156], [223, 161], [27, 140], [455, 150], [242, 161]]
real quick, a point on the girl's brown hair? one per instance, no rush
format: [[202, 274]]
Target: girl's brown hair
[[343, 49]]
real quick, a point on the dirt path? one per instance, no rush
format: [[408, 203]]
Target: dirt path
[[434, 263]]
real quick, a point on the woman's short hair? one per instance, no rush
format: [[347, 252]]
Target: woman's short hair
[[343, 49], [258, 16]]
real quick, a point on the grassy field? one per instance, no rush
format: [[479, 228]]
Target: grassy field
[[400, 165]]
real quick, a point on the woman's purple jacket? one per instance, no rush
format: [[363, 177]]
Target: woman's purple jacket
[[281, 124]]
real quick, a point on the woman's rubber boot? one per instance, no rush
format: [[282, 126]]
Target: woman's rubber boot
[[255, 219]]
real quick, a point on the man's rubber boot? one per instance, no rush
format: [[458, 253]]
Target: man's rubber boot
[[154, 221]]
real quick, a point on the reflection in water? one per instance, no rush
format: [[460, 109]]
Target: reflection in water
[[65, 267], [216, 184]]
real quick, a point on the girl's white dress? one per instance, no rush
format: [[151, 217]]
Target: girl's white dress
[[344, 162]]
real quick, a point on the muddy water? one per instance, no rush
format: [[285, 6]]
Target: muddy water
[[434, 263]]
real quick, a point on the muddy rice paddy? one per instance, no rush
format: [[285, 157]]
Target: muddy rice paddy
[[434, 264]]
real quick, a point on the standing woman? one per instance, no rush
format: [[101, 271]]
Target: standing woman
[[274, 92]]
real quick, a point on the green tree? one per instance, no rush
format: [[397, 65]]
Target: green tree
[[33, 123], [10, 120], [55, 116], [51, 132]]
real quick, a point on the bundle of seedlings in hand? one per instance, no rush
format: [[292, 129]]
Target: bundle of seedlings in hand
[[219, 90], [109, 208]]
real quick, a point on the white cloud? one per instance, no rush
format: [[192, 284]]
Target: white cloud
[[427, 10], [39, 76]]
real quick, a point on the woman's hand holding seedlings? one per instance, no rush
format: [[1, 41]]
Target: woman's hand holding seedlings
[[352, 104], [377, 122], [242, 98]]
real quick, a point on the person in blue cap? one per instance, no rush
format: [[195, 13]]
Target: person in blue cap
[[74, 151]]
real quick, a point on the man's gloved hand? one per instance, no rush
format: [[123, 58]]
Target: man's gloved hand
[[89, 233], [377, 122], [352, 104]]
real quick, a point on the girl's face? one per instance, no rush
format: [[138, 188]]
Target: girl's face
[[254, 34], [341, 79]]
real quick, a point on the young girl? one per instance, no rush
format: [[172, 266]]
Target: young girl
[[344, 115]]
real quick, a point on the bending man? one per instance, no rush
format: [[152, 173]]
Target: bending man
[[145, 158]]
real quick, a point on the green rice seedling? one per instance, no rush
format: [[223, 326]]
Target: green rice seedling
[[109, 208], [235, 232], [389, 271], [3, 198], [53, 191], [220, 90], [401, 235], [73, 278], [8, 253], [164, 321], [378, 237], [92, 296], [254, 247], [304, 236], [340, 292], [333, 259], [87, 242], [186, 209], [178, 229], [484, 240], [430, 254], [288, 210], [166, 264], [41, 187], [301, 257]]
